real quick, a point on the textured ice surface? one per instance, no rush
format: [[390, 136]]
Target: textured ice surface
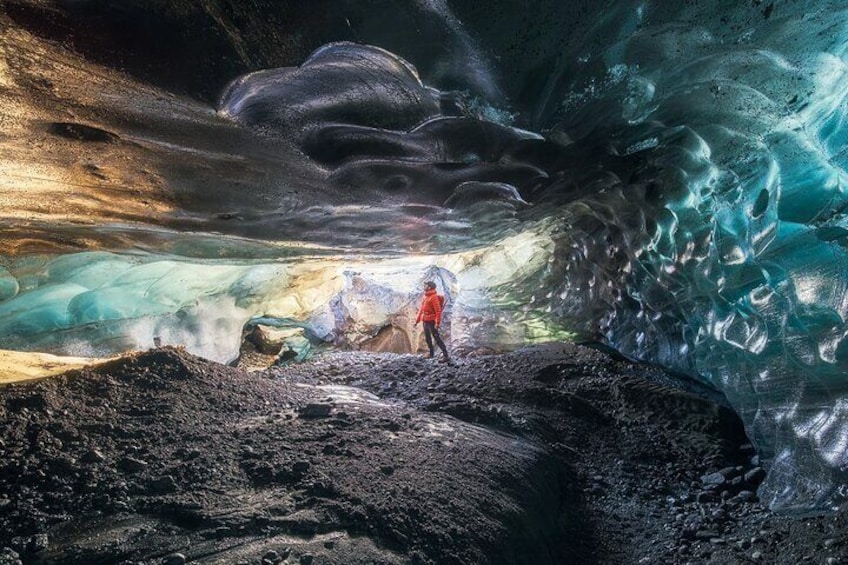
[[685, 201], [721, 251]]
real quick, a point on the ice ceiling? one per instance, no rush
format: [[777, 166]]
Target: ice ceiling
[[666, 177]]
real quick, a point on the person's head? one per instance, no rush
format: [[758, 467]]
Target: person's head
[[429, 285]]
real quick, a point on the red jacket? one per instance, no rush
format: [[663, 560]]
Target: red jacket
[[431, 308]]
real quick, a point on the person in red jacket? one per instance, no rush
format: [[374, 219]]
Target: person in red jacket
[[430, 314]]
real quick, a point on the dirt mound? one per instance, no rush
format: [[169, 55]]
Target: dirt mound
[[556, 454]]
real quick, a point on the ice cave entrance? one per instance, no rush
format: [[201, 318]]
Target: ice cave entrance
[[99, 304]]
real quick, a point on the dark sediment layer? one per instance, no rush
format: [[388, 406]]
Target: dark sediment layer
[[554, 454]]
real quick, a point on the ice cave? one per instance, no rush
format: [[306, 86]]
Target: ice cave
[[667, 179]]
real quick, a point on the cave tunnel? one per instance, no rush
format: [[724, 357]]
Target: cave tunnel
[[663, 180]]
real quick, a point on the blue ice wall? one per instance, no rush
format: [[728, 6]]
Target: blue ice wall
[[101, 304], [722, 250]]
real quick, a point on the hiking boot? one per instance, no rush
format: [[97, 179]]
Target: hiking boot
[[445, 360]]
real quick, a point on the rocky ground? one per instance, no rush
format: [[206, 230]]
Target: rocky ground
[[553, 454]]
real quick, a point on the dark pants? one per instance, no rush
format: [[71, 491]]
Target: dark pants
[[432, 332]]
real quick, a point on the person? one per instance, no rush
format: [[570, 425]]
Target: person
[[430, 314]]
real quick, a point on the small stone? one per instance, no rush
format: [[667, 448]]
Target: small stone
[[830, 542], [705, 534], [714, 479], [132, 465], [315, 410], [705, 497], [746, 496], [717, 541], [164, 485], [728, 472], [37, 543], [833, 561], [757, 555], [93, 456], [306, 559], [755, 476], [329, 544], [301, 467], [720, 515], [743, 544], [271, 557], [174, 559]]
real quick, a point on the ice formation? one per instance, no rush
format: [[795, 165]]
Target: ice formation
[[666, 177]]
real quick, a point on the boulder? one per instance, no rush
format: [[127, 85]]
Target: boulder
[[390, 339]]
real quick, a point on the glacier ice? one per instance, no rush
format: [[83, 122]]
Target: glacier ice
[[101, 304], [684, 200], [722, 251]]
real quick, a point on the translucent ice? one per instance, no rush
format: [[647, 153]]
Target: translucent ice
[[684, 200], [720, 248]]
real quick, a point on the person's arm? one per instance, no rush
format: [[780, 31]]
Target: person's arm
[[437, 305], [420, 311]]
